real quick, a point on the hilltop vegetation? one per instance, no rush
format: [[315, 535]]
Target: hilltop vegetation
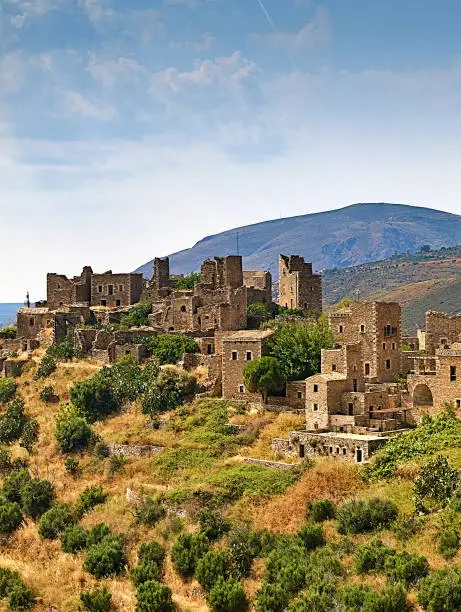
[[427, 280], [200, 528]]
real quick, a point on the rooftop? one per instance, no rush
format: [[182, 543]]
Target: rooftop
[[33, 311], [249, 334]]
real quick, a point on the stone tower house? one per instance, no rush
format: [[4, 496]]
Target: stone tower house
[[298, 286]]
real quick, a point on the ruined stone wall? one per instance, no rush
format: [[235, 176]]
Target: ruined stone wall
[[259, 286], [441, 330], [116, 290], [137, 351], [31, 321], [298, 286], [296, 394], [63, 291], [161, 275]]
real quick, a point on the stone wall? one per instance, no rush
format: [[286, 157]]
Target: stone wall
[[298, 286], [63, 291], [127, 450], [116, 290], [31, 321], [273, 465], [441, 331]]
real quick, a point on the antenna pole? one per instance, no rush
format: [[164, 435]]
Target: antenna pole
[[238, 253]]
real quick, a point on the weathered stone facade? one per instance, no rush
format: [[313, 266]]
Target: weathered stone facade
[[62, 291], [299, 287], [31, 321], [116, 290]]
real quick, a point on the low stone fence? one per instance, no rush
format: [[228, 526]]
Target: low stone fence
[[128, 450], [274, 465]]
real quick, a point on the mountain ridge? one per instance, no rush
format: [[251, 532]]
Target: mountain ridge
[[343, 237]]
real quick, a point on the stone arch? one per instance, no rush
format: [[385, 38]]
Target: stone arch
[[422, 396]]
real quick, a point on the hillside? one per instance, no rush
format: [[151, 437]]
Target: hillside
[[420, 282], [339, 238], [295, 565]]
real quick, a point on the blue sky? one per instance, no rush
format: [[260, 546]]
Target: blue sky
[[133, 129]]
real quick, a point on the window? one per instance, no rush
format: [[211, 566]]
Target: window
[[209, 349], [316, 425], [388, 364], [341, 329], [394, 346], [316, 388], [31, 322], [241, 389], [59, 286], [384, 346], [367, 369], [60, 303], [249, 356], [443, 341], [362, 329], [337, 450], [183, 309], [354, 385], [120, 288], [331, 450], [333, 367], [111, 289], [350, 409], [452, 373], [458, 403], [354, 368], [103, 303], [117, 302], [344, 451], [300, 395], [99, 288], [315, 407], [127, 352], [235, 356], [306, 305]]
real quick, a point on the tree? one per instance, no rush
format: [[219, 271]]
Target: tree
[[258, 313], [153, 596], [171, 389], [187, 282], [435, 484], [169, 348], [94, 398], [137, 316], [264, 376], [298, 346]]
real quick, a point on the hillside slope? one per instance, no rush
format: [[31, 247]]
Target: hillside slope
[[420, 282], [339, 238]]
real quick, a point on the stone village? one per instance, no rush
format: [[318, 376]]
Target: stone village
[[352, 406]]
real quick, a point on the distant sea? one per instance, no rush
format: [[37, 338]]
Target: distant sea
[[8, 313]]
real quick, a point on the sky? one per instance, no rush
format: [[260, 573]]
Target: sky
[[132, 129]]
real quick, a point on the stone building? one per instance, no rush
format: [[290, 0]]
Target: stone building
[[116, 290], [299, 287], [62, 291], [31, 321]]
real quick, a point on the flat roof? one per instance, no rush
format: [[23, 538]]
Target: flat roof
[[346, 436], [32, 311], [249, 334]]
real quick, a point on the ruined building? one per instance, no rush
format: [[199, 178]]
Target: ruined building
[[298, 286]]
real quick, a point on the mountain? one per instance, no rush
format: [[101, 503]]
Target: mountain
[[339, 238], [419, 282]]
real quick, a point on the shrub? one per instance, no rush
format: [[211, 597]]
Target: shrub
[[73, 433], [448, 543], [271, 597], [318, 598], [13, 484], [12, 422], [364, 599], [264, 375], [8, 388], [227, 596], [137, 316], [97, 600], [73, 539], [406, 568], [47, 394], [440, 591], [29, 434], [212, 523], [287, 566], [36, 497], [187, 550], [8, 333], [372, 557], [149, 512], [154, 597], [94, 398], [187, 282], [435, 484], [10, 516], [311, 537], [364, 516], [151, 551], [89, 498], [116, 464], [101, 450], [243, 549], [143, 572], [324, 567], [63, 349], [406, 526], [21, 597], [97, 534], [211, 566], [53, 523], [321, 510], [106, 558], [169, 348], [72, 466], [8, 579], [171, 389], [46, 367]]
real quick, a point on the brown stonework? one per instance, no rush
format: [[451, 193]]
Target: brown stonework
[[115, 290], [298, 286], [31, 321]]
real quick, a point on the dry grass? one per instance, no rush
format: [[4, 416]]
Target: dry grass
[[272, 426], [328, 479]]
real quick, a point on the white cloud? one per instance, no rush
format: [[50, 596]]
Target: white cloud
[[76, 103], [97, 11], [111, 72], [196, 46], [12, 71], [315, 33]]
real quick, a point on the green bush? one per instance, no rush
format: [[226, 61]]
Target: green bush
[[406, 568], [72, 466], [94, 398], [154, 597], [101, 450], [13, 483], [137, 316], [97, 600], [364, 599], [46, 367], [62, 349], [448, 543], [271, 597], [406, 526], [169, 348], [311, 537], [29, 434], [251, 480], [89, 498], [227, 596], [73, 539], [47, 394], [10, 516], [243, 546], [212, 523], [186, 552], [8, 579], [73, 433], [20, 597], [372, 557], [8, 333], [435, 484], [149, 512], [440, 591], [171, 389], [106, 558], [53, 523], [211, 566], [151, 552], [116, 464], [287, 566], [36, 497], [12, 422], [321, 510], [144, 572], [264, 376], [318, 598], [8, 388], [186, 282], [324, 566], [364, 516], [97, 534]]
